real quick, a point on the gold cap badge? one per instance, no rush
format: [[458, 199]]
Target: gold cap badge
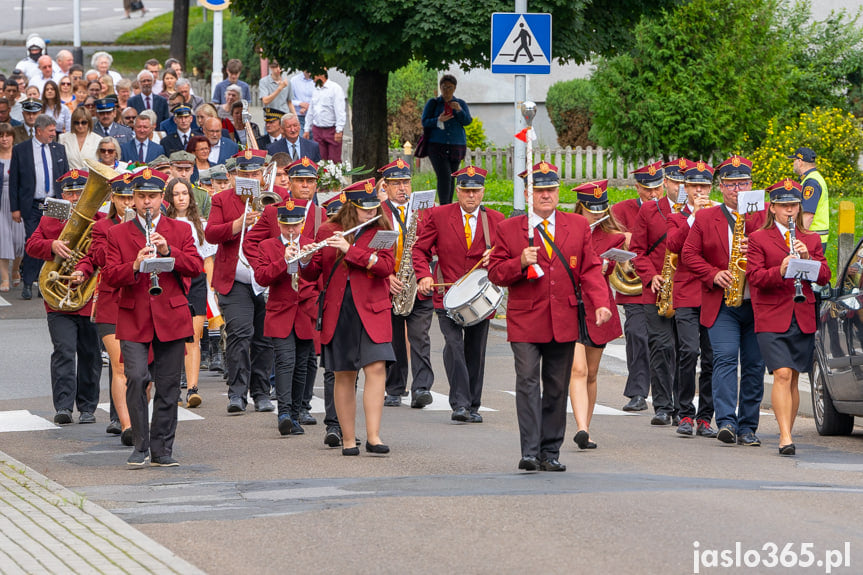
[[543, 167], [400, 163], [343, 198], [249, 154], [74, 174], [735, 161], [788, 184], [651, 170], [306, 161], [700, 166], [471, 172], [147, 174], [681, 163], [289, 204], [369, 187]]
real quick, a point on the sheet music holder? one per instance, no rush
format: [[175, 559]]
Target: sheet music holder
[[247, 187], [803, 269], [57, 208], [384, 239], [158, 265], [617, 255], [422, 200], [751, 201]]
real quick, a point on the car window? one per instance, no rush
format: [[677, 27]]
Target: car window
[[853, 277]]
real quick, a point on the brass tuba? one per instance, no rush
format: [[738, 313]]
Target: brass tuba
[[55, 279], [624, 280]]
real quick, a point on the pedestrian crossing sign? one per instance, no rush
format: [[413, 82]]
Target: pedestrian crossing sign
[[520, 43]]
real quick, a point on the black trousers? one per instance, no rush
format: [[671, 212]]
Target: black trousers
[[311, 376], [418, 324], [157, 435], [463, 360], [31, 266], [541, 408], [445, 161], [660, 344], [693, 341], [74, 383], [330, 417], [249, 354], [291, 356], [637, 356]]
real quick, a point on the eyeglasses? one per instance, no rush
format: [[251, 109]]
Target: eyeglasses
[[106, 151], [89, 106], [80, 122], [65, 83], [738, 186], [129, 118]]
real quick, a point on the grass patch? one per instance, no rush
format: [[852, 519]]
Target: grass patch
[[158, 30], [129, 62]]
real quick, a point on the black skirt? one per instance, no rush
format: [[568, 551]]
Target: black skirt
[[198, 295], [583, 333], [793, 348], [106, 329], [351, 347]]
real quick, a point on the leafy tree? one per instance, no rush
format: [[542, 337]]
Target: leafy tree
[[236, 43], [369, 39], [568, 105]]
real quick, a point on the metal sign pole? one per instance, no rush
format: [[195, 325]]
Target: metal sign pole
[[519, 149], [217, 52]]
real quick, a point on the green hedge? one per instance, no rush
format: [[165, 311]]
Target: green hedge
[[236, 43], [568, 105]]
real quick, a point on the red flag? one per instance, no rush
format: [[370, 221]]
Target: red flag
[[522, 135], [534, 272]]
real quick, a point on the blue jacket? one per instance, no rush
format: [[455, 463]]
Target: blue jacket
[[453, 133]]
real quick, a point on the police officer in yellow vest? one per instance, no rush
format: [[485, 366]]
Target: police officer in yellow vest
[[816, 204]]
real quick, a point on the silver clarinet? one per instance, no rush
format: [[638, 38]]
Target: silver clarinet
[[792, 237]]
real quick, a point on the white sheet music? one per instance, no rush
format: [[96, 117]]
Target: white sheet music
[[803, 269], [384, 239], [158, 265], [422, 200], [247, 187], [751, 201], [617, 255]]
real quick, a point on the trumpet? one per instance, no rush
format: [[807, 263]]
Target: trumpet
[[155, 288], [312, 248], [799, 296]]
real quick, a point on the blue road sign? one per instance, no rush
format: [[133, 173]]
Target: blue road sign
[[520, 43]]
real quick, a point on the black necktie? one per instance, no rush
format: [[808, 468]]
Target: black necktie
[[185, 143]]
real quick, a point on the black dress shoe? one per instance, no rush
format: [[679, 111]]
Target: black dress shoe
[[285, 424], [235, 406], [675, 420], [421, 398], [350, 451], [749, 440], [460, 414], [87, 417], [380, 448], [138, 458], [529, 463], [26, 292], [392, 401], [114, 428], [551, 464], [789, 449], [333, 438], [636, 403], [727, 434], [127, 438], [264, 404], [581, 439], [306, 418], [63, 416], [475, 417], [661, 418], [164, 461]]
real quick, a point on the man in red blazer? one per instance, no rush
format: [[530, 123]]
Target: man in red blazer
[[72, 333], [146, 321], [397, 185], [249, 354], [635, 325], [731, 329], [461, 234], [692, 338], [542, 313], [648, 242], [290, 307]]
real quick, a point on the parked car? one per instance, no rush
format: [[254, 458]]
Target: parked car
[[837, 371]]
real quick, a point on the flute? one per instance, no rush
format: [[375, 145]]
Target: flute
[[312, 248]]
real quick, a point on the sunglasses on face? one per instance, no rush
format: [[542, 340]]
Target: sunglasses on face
[[65, 83], [129, 118], [80, 122], [105, 151]]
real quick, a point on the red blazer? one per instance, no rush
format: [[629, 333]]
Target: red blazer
[[686, 289], [140, 316], [420, 228], [546, 309], [626, 214], [705, 253], [267, 227], [772, 295], [651, 225], [443, 233], [370, 289], [108, 297], [603, 241], [226, 207], [287, 309]]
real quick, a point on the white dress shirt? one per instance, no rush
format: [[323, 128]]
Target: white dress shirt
[[40, 171], [327, 108], [302, 90], [214, 152]]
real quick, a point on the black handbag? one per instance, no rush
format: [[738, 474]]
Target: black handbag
[[422, 149], [136, 5]]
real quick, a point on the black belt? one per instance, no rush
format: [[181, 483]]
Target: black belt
[[39, 204], [324, 127]]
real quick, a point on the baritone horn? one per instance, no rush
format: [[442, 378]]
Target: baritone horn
[[624, 280]]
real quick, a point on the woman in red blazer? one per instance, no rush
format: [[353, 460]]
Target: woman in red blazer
[[106, 300], [785, 328], [593, 205], [288, 321], [356, 330]]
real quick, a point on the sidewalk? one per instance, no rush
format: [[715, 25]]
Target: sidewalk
[[48, 529]]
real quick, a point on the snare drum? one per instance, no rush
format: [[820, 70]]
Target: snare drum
[[472, 299]]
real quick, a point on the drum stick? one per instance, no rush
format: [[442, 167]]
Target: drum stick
[[442, 285], [476, 265]]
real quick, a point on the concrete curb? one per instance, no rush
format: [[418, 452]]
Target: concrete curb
[[48, 528]]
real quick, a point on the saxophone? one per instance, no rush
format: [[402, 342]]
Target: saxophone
[[737, 265], [663, 297], [403, 302], [55, 278]]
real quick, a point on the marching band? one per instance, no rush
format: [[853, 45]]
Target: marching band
[[357, 279]]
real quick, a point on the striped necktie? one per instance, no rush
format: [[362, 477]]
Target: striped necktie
[[548, 249]]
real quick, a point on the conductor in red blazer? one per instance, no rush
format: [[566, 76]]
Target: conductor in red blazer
[[692, 338], [162, 322], [457, 233], [784, 324], [731, 329], [290, 306], [355, 310], [249, 354], [635, 325], [542, 313], [76, 364], [649, 243]]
